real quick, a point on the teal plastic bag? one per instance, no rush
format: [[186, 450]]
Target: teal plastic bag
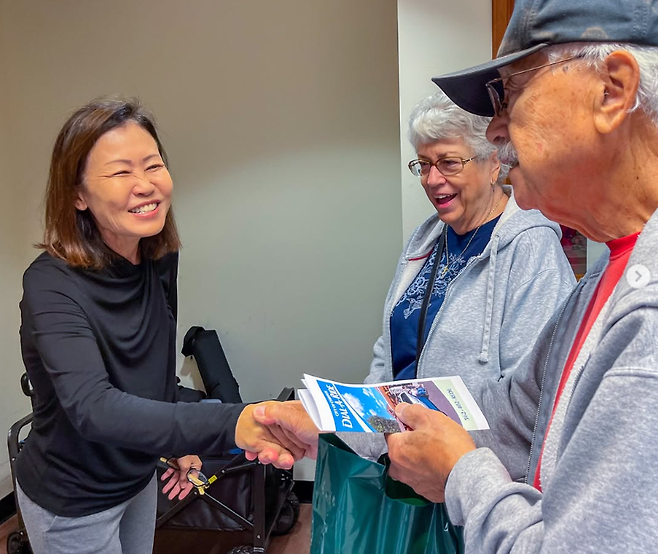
[[358, 509]]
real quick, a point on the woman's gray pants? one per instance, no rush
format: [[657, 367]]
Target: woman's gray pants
[[124, 529]]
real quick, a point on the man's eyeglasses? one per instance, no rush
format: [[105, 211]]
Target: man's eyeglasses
[[496, 86], [446, 166]]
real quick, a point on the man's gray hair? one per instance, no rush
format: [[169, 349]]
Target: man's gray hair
[[439, 118], [595, 53]]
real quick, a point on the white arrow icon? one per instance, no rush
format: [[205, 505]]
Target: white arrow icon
[[638, 276]]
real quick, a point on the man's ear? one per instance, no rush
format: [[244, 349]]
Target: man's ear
[[620, 77]]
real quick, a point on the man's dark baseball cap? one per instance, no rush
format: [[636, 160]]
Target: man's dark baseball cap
[[536, 24]]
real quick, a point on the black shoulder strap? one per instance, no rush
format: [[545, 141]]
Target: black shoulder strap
[[441, 243]]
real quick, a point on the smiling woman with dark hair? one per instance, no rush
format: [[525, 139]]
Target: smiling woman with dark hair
[[98, 338], [71, 233]]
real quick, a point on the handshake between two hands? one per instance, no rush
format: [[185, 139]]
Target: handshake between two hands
[[281, 433], [278, 433]]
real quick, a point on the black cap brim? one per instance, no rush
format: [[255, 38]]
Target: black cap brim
[[467, 88]]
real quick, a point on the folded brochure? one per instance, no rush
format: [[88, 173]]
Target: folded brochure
[[371, 408]]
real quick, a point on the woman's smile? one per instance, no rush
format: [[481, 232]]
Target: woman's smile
[[444, 200], [146, 210]]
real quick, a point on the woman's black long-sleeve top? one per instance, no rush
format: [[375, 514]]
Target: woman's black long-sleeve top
[[100, 350]]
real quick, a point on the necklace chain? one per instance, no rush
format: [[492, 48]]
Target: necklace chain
[[447, 266]]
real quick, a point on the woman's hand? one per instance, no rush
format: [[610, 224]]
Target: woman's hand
[[178, 484]]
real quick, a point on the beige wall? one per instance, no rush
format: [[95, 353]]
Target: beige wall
[[281, 121], [13, 405]]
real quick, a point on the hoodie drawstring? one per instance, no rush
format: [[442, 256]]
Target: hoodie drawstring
[[488, 314]]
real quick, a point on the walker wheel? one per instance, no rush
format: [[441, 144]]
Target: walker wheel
[[17, 543], [288, 516]]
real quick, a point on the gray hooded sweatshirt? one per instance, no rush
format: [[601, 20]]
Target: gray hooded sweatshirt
[[492, 311], [600, 485]]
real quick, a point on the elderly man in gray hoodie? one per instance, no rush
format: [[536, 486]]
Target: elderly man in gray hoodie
[[574, 95]]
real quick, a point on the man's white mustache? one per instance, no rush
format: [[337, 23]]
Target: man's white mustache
[[507, 154]]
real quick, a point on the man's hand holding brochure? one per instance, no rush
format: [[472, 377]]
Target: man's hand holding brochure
[[371, 408]]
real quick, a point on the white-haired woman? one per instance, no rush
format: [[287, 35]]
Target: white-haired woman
[[496, 273]]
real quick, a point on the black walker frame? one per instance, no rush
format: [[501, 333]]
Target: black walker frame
[[262, 525], [17, 541]]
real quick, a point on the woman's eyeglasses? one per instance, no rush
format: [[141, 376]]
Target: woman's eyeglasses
[[446, 166]]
